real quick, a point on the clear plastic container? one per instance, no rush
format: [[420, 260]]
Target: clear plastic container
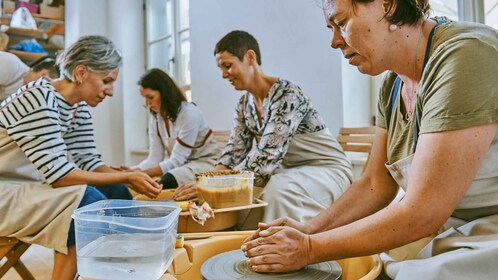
[[125, 239], [225, 191]]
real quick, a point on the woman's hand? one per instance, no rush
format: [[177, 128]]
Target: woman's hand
[[144, 184], [123, 168], [221, 167], [279, 222], [186, 191], [278, 249]]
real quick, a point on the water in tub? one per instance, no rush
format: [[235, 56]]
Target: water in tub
[[126, 256]]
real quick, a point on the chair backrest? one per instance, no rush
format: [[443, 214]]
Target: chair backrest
[[221, 137], [357, 139]]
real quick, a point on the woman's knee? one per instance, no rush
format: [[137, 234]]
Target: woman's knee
[[90, 196], [274, 191], [116, 191], [169, 181]]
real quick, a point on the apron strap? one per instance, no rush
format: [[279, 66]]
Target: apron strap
[[180, 141], [439, 21], [397, 81], [74, 114], [159, 134], [167, 125], [395, 91], [19, 95]]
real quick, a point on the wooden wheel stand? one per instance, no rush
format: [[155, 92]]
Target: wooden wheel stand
[[199, 247]]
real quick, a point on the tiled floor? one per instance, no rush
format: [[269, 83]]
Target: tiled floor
[[39, 261]]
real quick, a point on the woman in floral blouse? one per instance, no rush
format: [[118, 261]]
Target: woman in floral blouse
[[279, 135]]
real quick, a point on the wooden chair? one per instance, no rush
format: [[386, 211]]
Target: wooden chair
[[12, 249], [357, 139], [221, 137]]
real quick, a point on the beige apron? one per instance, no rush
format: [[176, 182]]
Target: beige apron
[[314, 173], [32, 211], [202, 158], [459, 250]]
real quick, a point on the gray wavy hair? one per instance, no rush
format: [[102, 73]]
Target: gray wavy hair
[[98, 53]]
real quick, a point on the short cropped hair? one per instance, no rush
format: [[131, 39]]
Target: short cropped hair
[[171, 95], [238, 42], [46, 62], [98, 53]]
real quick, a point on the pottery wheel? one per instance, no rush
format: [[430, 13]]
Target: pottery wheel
[[232, 265]]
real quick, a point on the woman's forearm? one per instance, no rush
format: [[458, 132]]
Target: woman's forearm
[[363, 198], [81, 177], [105, 169], [154, 171], [221, 167], [387, 229]]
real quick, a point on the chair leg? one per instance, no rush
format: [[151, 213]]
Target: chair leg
[[13, 260]]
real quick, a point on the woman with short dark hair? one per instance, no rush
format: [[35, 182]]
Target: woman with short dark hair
[[436, 137], [300, 168]]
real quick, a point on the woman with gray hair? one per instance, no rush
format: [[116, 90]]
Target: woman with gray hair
[[48, 155]]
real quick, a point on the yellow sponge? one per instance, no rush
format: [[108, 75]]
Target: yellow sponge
[[183, 205]]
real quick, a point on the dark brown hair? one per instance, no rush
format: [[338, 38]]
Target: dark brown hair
[[46, 62], [405, 11], [171, 95]]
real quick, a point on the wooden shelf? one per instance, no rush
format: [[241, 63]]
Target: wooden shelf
[[47, 27], [4, 20], [27, 56], [33, 33], [37, 18], [49, 24]]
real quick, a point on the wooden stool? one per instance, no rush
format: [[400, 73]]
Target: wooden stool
[[12, 249]]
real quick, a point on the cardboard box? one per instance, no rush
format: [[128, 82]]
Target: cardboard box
[[52, 12], [8, 7]]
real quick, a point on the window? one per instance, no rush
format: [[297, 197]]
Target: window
[[448, 8], [168, 39], [491, 13]]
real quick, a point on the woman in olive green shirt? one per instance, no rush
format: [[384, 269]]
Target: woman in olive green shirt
[[436, 137]]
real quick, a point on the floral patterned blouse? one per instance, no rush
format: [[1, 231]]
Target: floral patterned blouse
[[286, 112]]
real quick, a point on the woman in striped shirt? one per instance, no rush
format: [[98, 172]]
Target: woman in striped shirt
[[48, 154]]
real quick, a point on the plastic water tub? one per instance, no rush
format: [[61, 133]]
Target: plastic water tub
[[125, 239]]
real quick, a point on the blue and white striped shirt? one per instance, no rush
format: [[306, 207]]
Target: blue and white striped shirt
[[54, 135]]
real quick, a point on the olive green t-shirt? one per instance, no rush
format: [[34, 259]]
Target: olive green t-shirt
[[458, 89]]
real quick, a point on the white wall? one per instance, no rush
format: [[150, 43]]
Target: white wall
[[295, 45], [356, 94], [119, 119]]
